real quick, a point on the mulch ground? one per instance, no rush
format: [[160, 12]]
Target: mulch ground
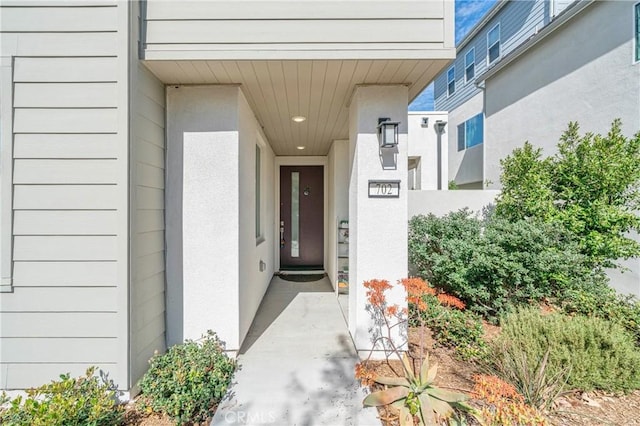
[[571, 409]]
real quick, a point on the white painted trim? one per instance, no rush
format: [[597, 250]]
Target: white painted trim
[[452, 67], [125, 72], [473, 49], [427, 112], [261, 141], [489, 61], [6, 171], [436, 51], [635, 31], [299, 161]]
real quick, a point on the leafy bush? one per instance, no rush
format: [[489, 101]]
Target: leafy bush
[[451, 327], [188, 381], [536, 353], [493, 264], [591, 187], [604, 302], [86, 400]]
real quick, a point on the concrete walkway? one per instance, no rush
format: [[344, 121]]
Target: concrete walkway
[[297, 364]]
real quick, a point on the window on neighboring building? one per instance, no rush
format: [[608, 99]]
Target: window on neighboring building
[[258, 190], [637, 16], [471, 132], [451, 81], [493, 43], [470, 65]]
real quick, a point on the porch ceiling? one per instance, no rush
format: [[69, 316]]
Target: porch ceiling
[[319, 90]]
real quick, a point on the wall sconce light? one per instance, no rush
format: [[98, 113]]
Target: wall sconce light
[[387, 132], [425, 122]]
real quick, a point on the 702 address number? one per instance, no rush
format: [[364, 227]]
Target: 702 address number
[[384, 188]]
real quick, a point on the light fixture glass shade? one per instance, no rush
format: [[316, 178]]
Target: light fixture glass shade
[[388, 133]]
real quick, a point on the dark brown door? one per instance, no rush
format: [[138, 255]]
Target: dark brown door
[[301, 217]]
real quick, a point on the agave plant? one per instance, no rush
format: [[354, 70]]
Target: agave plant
[[415, 395]]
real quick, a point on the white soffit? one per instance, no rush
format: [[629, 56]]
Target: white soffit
[[316, 89]]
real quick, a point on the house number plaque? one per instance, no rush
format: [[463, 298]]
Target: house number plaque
[[384, 188]]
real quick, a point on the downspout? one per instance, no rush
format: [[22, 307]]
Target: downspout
[[482, 87], [439, 128]]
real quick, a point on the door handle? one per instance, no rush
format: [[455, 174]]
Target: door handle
[[282, 242]]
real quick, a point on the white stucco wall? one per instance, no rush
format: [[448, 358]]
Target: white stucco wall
[[581, 72], [252, 282], [423, 143], [441, 203], [214, 279], [465, 167], [377, 226], [202, 213], [338, 201]]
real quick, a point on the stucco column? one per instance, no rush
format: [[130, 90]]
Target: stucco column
[[378, 226], [202, 213]]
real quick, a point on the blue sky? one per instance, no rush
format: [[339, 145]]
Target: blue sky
[[468, 12]]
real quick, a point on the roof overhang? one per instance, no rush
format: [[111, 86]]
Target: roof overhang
[[319, 90]]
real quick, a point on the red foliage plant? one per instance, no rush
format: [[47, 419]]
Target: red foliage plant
[[448, 300], [416, 288], [505, 405], [375, 292]]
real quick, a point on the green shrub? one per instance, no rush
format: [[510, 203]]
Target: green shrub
[[604, 302], [591, 187], [188, 381], [594, 353], [493, 264], [86, 400], [457, 329]]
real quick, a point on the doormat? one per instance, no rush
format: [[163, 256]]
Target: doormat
[[302, 278]]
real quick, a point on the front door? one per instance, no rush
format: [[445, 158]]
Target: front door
[[301, 217]]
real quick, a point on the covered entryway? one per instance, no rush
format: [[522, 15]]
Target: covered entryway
[[255, 88]]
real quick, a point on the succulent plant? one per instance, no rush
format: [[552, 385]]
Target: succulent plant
[[416, 395]]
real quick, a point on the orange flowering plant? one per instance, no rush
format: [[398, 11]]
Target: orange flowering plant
[[503, 405], [413, 394]]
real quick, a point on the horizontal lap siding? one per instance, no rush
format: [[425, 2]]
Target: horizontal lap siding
[[27, 375], [69, 200], [314, 26], [147, 222], [302, 31], [518, 20]]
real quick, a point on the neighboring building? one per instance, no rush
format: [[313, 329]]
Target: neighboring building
[[149, 161], [582, 65], [505, 27], [428, 160]]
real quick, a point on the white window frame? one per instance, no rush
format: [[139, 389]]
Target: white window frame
[[464, 133], [489, 61], [466, 66], [453, 68], [258, 194], [636, 32]]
